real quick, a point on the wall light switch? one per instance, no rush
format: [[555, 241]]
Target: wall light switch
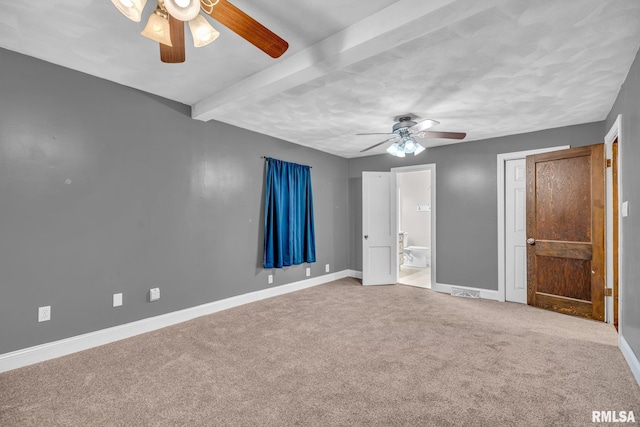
[[270, 279], [625, 208], [308, 271], [117, 300]]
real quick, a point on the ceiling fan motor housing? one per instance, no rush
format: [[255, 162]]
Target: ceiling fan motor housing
[[404, 123]]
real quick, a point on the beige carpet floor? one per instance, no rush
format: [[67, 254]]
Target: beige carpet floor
[[338, 354]]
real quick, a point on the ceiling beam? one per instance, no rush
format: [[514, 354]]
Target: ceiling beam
[[390, 27]]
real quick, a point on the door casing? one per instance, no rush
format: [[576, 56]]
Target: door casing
[[615, 133]]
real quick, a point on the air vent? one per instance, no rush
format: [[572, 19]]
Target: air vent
[[457, 292]]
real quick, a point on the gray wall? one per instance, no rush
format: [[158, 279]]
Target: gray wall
[[105, 189], [628, 104], [466, 199]]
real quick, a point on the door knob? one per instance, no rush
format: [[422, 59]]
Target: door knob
[[531, 241], [366, 236]]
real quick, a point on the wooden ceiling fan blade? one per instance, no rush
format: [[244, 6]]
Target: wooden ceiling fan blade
[[446, 135], [376, 145], [249, 29], [424, 124], [174, 54]]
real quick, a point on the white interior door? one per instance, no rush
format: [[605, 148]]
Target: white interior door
[[379, 235], [515, 231]]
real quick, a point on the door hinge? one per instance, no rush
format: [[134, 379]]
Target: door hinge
[[608, 292], [608, 163]]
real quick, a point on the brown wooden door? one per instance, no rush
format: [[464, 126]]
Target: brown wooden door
[[565, 230]]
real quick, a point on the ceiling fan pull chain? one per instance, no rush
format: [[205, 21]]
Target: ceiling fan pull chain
[[207, 5]]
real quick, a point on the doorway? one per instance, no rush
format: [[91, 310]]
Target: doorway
[[512, 264], [415, 207], [614, 215], [612, 234]]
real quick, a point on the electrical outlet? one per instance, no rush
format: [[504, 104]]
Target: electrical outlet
[[326, 268], [154, 294], [270, 279], [308, 271], [117, 300], [44, 313]]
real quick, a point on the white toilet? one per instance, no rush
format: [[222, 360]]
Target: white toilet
[[416, 256]]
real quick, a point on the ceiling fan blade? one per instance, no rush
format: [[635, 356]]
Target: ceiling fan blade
[[446, 135], [424, 124], [175, 54], [374, 146], [249, 29], [375, 133]]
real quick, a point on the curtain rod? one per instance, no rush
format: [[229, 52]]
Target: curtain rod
[[265, 157]]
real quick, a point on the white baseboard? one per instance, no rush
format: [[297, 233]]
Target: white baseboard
[[444, 288], [51, 350], [484, 293], [355, 273], [630, 357]]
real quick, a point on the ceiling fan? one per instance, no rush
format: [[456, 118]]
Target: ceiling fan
[[404, 132], [166, 25]]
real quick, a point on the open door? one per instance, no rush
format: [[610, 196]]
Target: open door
[[565, 229], [379, 235]]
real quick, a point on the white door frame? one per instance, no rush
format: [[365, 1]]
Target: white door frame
[[502, 159], [428, 167], [614, 132]]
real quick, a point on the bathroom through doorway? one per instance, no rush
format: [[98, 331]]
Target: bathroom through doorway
[[416, 219]]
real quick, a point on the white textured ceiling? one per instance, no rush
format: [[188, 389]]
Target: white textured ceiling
[[489, 68]]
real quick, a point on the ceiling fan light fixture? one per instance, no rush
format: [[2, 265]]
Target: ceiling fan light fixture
[[203, 33], [393, 149], [396, 150], [405, 146], [184, 10], [409, 145], [157, 28], [132, 9]]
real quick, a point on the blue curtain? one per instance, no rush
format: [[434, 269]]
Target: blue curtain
[[289, 235]]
